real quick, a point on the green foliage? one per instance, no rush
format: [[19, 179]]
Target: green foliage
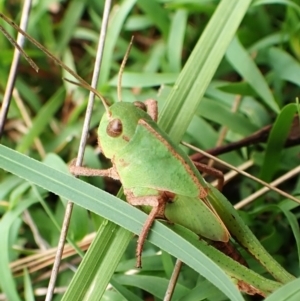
[[204, 57]]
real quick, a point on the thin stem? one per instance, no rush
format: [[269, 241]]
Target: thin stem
[[173, 280], [13, 69]]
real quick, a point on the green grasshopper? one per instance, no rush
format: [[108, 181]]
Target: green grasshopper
[[138, 149], [160, 178]]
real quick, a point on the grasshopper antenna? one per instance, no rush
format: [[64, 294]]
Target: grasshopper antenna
[[90, 88], [122, 69], [83, 83], [13, 42]]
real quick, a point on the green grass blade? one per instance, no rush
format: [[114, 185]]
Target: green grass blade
[[116, 211], [29, 293], [276, 140], [134, 79], [157, 14], [156, 286], [294, 226], [285, 66], [198, 71], [7, 282], [42, 120], [126, 293], [284, 2], [71, 18], [176, 40], [289, 292], [91, 281], [245, 66]]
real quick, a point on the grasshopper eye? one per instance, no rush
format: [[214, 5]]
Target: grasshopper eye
[[114, 128], [140, 105]]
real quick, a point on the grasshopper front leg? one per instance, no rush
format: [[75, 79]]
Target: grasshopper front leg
[[93, 172]]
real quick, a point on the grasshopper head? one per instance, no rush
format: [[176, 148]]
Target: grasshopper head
[[118, 126]]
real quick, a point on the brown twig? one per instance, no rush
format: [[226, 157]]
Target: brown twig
[[257, 137]]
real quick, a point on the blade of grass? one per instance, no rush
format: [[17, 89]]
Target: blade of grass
[[276, 141], [285, 2], [289, 292], [294, 226], [198, 71], [42, 120], [176, 39], [92, 280], [157, 14], [126, 293], [116, 211], [285, 66], [71, 18], [245, 66], [7, 281], [29, 293], [156, 286]]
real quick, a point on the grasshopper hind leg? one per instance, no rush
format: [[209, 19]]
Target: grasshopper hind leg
[[155, 212]]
